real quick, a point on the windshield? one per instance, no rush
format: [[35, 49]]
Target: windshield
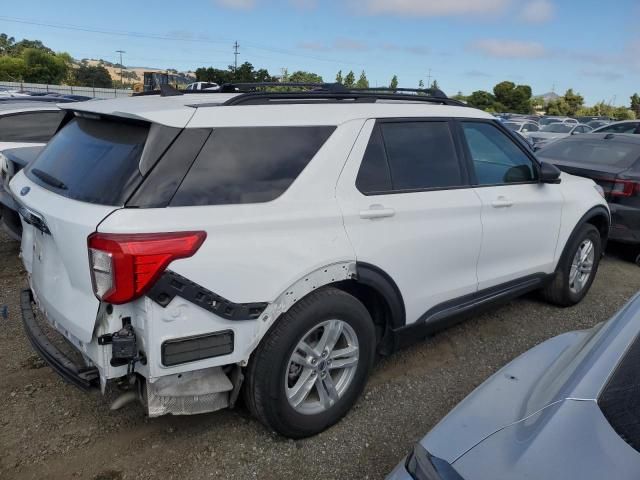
[[547, 121], [596, 152], [514, 127], [557, 128]]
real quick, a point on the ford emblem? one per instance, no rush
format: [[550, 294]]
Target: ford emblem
[[24, 191]]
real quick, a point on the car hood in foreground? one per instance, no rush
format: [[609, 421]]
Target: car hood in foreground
[[574, 365]]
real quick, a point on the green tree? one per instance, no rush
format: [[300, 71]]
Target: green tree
[[635, 104], [6, 43], [19, 47], [420, 84], [339, 78], [42, 67], [362, 81], [514, 98], [435, 85], [460, 96], [11, 69], [574, 102], [482, 100], [97, 76], [394, 82], [350, 79], [305, 77]]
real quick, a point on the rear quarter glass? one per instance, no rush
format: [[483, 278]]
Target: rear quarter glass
[[93, 161]]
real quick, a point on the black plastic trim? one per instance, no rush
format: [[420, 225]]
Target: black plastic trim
[[171, 285], [80, 376], [178, 351], [449, 313], [381, 282], [598, 210]]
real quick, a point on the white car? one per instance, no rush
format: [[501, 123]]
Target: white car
[[196, 247], [199, 86], [22, 125], [555, 131]]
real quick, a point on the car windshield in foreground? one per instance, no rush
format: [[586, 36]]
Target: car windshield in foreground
[[557, 128], [512, 126], [595, 152]]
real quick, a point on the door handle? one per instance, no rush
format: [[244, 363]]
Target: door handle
[[502, 202], [377, 211]]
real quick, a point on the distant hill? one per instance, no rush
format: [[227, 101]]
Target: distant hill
[[547, 97]]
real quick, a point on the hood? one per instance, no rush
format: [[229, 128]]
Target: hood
[[572, 365], [547, 135]]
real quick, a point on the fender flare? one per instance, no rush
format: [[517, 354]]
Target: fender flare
[[597, 211], [380, 281]]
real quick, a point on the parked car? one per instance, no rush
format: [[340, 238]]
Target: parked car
[[613, 161], [188, 242], [12, 161], [597, 123], [521, 127], [199, 86], [555, 131], [567, 408], [546, 120], [626, 126], [22, 125]]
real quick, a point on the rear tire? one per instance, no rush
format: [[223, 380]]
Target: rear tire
[[281, 367], [571, 282]]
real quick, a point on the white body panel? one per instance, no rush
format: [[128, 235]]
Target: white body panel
[[520, 227], [429, 245]]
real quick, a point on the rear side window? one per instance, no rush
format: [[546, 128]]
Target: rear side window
[[496, 158], [36, 127], [421, 155], [374, 175], [249, 164], [94, 161]]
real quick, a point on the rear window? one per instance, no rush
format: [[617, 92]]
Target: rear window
[[249, 164], [35, 127], [593, 152], [93, 161]]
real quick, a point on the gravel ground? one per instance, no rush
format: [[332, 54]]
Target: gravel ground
[[49, 429]]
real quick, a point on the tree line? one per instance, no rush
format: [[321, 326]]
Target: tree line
[[33, 62]]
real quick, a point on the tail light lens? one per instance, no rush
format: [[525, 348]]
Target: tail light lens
[[124, 267], [624, 188]]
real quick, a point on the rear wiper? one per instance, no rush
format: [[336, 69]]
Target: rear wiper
[[49, 179]]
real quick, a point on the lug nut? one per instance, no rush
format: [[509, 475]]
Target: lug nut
[[325, 353], [313, 361]]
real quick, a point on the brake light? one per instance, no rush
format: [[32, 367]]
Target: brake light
[[624, 188], [125, 266]]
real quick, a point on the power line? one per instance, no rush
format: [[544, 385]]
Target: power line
[[172, 38]]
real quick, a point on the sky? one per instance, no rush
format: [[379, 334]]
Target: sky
[[588, 45]]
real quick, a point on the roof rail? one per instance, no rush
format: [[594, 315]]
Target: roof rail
[[258, 94]]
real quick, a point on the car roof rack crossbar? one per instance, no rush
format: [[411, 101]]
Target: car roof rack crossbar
[[256, 94]]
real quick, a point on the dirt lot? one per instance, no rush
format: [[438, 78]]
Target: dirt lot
[[49, 429]]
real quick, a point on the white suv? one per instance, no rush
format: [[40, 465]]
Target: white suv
[[272, 244]]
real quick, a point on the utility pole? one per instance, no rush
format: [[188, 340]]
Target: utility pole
[[121, 52], [235, 53], [429, 79]]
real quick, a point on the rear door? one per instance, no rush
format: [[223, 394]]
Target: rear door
[[408, 210], [87, 171], [520, 216]]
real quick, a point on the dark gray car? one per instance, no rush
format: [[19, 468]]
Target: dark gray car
[[567, 409]]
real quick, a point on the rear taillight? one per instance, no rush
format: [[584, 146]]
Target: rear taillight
[[624, 188], [123, 267]]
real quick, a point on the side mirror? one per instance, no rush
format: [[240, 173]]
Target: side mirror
[[549, 173]]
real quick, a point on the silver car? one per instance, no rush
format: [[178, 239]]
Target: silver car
[[569, 408], [555, 131]]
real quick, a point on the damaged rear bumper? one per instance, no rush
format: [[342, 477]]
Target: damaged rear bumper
[[79, 375]]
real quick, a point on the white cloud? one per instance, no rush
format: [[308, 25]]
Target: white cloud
[[236, 4], [508, 48], [537, 11], [431, 8]]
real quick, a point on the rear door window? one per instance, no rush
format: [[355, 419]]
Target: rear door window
[[36, 127], [421, 155], [249, 164], [94, 161]]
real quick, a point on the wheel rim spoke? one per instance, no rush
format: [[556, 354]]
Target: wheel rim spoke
[[582, 266], [326, 391], [330, 336], [345, 357], [302, 388]]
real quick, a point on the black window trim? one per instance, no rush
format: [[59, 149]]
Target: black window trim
[[63, 120], [458, 148], [469, 159]]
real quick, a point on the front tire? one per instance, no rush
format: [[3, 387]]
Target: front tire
[[313, 364], [577, 268]]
